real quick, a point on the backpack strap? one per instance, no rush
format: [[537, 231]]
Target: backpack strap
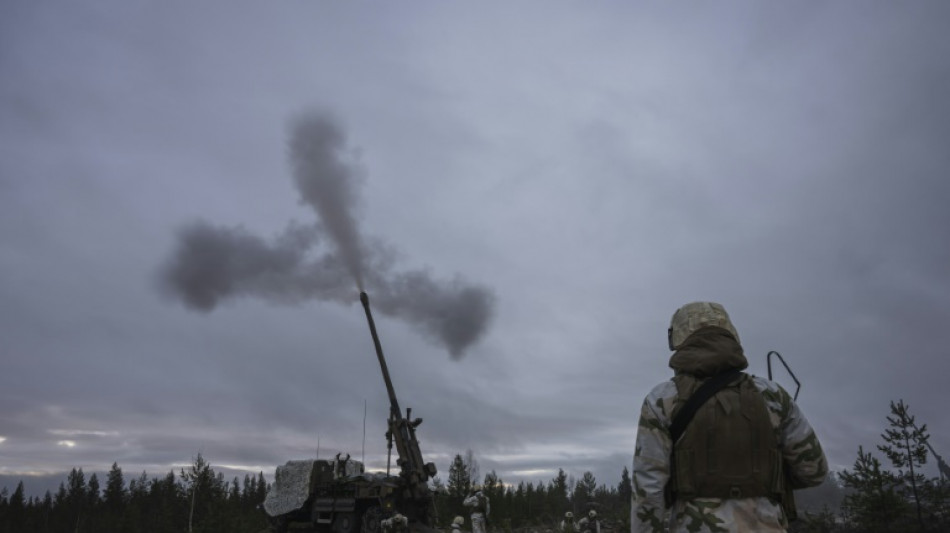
[[705, 391]]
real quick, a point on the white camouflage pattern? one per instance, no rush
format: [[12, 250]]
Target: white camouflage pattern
[[481, 509], [291, 488], [693, 316], [800, 448]]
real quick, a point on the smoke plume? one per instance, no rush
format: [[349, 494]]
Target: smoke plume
[[328, 184], [326, 260]]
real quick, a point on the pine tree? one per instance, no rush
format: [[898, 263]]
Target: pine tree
[[585, 489], [199, 483], [875, 505], [262, 487], [76, 499], [16, 509], [93, 494], [46, 511], [247, 490], [458, 484], [907, 450], [625, 492], [115, 494], [114, 499]]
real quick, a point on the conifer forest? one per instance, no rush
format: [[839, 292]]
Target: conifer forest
[[885, 491]]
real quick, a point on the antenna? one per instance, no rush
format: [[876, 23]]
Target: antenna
[[363, 459], [768, 360]]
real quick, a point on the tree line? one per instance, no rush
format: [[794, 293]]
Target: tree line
[[196, 500], [868, 498]]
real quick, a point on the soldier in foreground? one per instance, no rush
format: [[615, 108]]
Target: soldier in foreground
[[481, 507], [733, 464]]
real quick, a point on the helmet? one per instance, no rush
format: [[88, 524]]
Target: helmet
[[694, 316], [568, 515], [592, 513], [458, 521]]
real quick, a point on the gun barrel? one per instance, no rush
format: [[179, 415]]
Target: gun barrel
[[364, 298]]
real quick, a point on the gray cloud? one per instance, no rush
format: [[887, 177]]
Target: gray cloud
[[595, 172]]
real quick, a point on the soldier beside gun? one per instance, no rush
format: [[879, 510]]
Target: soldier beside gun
[[481, 508]]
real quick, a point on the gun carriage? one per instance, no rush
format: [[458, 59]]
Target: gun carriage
[[338, 496]]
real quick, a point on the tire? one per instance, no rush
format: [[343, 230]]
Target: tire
[[345, 523], [372, 517]]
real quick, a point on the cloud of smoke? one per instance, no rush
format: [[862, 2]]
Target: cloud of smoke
[[328, 184], [212, 264]]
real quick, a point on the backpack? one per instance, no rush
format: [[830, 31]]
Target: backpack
[[728, 448]]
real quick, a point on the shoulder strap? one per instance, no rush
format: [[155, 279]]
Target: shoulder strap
[[705, 391]]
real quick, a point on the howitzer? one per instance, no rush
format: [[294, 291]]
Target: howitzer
[[337, 496], [401, 429]]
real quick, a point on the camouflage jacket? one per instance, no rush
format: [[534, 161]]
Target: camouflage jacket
[[479, 504], [805, 462]]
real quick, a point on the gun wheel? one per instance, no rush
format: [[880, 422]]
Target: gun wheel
[[371, 520], [344, 523]]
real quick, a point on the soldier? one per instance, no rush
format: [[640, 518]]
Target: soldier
[[398, 523], [481, 508], [589, 524], [457, 524], [568, 525], [733, 465]]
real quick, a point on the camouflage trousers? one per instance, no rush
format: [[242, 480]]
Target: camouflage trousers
[[478, 523]]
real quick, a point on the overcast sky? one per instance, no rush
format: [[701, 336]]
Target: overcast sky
[[582, 168]]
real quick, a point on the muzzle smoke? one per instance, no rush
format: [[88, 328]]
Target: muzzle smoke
[[323, 261]]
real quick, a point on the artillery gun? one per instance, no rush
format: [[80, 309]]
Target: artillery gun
[[338, 496]]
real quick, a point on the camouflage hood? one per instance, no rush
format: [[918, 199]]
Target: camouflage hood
[[707, 352]]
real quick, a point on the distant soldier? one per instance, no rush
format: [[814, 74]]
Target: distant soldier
[[589, 524], [481, 508], [340, 466], [568, 525], [729, 463], [457, 524], [398, 523]]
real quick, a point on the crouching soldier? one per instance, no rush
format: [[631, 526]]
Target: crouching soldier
[[568, 525], [589, 524], [457, 524], [397, 523]]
